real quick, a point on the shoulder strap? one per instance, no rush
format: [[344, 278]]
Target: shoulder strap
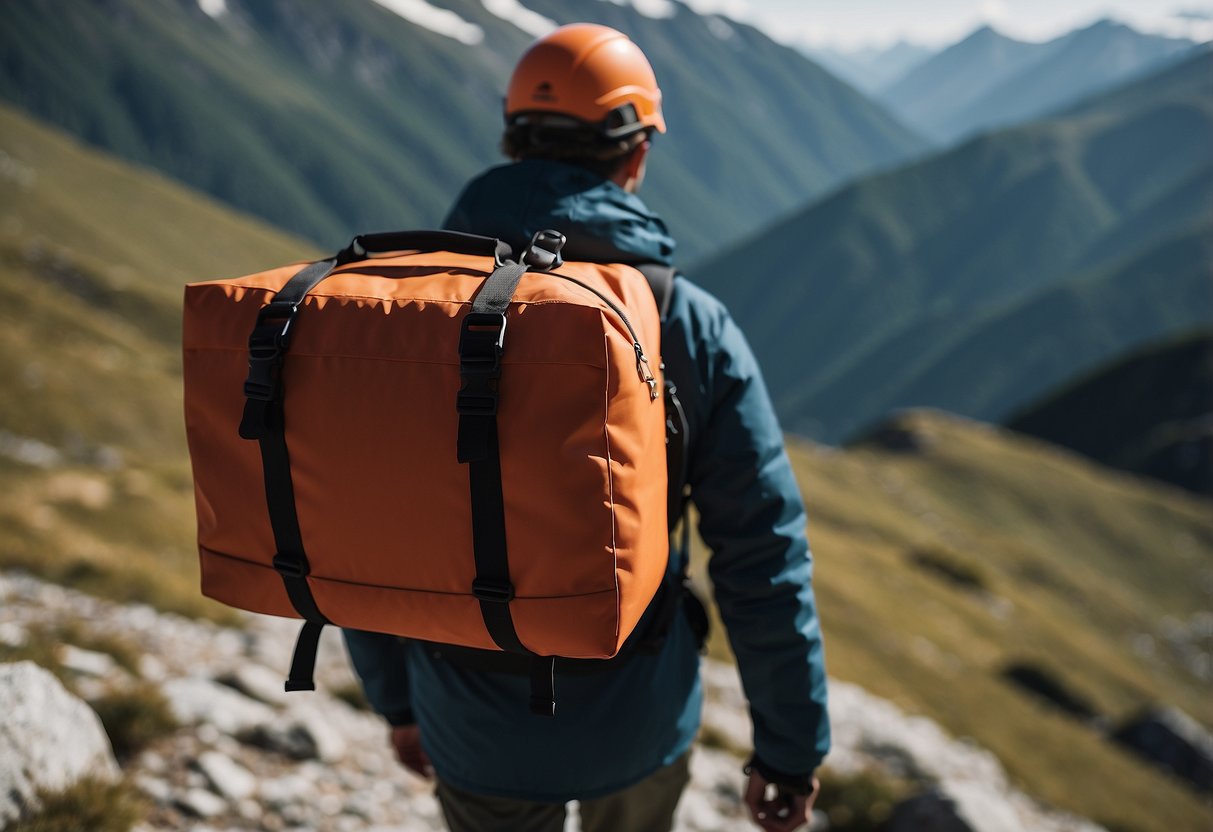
[[661, 281]]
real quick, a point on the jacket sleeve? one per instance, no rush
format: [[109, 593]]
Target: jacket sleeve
[[378, 660], [752, 518]]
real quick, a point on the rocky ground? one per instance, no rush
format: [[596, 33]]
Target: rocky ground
[[251, 757]]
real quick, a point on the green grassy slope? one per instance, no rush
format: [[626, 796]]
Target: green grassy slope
[[92, 446], [1060, 563], [1150, 412], [864, 296], [329, 119]]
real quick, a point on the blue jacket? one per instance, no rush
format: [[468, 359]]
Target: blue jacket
[[614, 727]]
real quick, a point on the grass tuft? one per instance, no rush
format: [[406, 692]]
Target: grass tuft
[[123, 651], [134, 718], [859, 802], [90, 804]]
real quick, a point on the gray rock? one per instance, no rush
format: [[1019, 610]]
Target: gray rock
[[49, 739], [155, 788], [957, 807], [305, 736], [199, 701], [257, 681], [86, 662], [13, 634], [1172, 740], [203, 804], [932, 811], [283, 791], [226, 776]]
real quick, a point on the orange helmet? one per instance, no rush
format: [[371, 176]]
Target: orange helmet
[[592, 74]]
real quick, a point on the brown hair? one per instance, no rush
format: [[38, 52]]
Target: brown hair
[[577, 145]]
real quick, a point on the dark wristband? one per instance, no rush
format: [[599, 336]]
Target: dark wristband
[[791, 783]]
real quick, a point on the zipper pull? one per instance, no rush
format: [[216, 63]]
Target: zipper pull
[[643, 370]]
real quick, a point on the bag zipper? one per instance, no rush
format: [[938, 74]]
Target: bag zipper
[[642, 362]]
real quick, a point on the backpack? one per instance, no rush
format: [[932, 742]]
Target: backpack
[[453, 446]]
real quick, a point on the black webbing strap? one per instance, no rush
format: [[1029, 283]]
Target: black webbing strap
[[543, 685], [661, 281], [304, 661], [263, 420], [677, 437], [481, 343]]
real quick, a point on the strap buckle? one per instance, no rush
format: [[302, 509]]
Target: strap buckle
[[543, 254], [482, 339], [290, 566], [266, 346], [493, 591], [481, 343]]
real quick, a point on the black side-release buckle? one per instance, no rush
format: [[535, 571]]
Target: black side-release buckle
[[290, 566], [481, 342], [493, 591], [266, 347]]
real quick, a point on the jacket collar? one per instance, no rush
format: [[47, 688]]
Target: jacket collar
[[601, 221]]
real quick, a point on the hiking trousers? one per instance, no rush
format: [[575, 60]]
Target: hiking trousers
[[647, 806]]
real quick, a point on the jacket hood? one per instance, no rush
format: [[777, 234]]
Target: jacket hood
[[601, 221]]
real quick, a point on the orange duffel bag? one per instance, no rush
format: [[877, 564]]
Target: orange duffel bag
[[436, 442]]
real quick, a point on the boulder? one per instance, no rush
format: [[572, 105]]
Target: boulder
[[1172, 740], [1045, 684], [199, 701], [258, 682], [49, 739], [227, 777], [305, 735], [956, 807]]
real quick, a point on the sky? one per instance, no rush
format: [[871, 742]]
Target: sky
[[851, 24]]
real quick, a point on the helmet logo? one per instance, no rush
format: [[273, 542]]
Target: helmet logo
[[544, 92]]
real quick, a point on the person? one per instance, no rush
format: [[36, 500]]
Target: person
[[581, 110]]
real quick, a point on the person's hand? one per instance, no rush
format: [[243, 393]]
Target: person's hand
[[776, 810], [406, 739]]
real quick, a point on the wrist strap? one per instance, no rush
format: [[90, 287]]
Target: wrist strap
[[791, 783]]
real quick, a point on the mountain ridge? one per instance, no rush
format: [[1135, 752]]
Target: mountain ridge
[[988, 80], [1149, 412], [993, 224], [335, 119]]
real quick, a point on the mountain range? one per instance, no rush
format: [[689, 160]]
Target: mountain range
[[328, 119], [929, 587], [871, 68], [989, 80], [1150, 413], [979, 278]]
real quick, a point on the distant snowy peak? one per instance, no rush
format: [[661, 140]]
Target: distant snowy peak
[[213, 8], [442, 21], [512, 11], [658, 9]]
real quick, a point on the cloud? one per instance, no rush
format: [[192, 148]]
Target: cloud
[[993, 11]]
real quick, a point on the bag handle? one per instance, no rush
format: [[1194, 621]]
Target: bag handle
[[455, 241]]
